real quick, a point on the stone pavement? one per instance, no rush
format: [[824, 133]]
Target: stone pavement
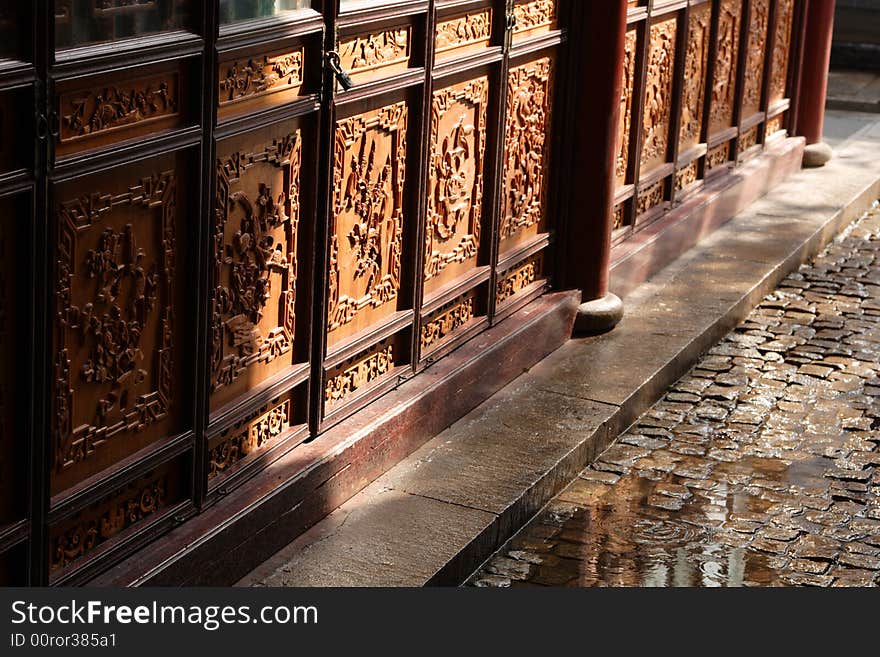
[[761, 467], [854, 91]]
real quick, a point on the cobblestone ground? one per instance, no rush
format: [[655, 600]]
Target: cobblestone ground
[[761, 467]]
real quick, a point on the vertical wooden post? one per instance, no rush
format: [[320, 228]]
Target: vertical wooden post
[[814, 80], [596, 60]]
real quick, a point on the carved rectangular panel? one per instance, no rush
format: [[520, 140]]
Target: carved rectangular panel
[[117, 385], [455, 183], [658, 94], [366, 235], [359, 374], [534, 17], [781, 49], [134, 505], [757, 45], [259, 81], [626, 106], [520, 278], [694, 86], [105, 110], [463, 33], [378, 54], [527, 138], [447, 320], [256, 220], [726, 56]]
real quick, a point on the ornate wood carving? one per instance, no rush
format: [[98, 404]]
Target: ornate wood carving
[[114, 321], [726, 54], [694, 85], [626, 102], [718, 155], [447, 320], [776, 124], [260, 76], [757, 45], [748, 139], [373, 51], [658, 93], [526, 146], [519, 278], [255, 267], [687, 176], [238, 442], [110, 108], [532, 15], [651, 196], [461, 31], [358, 374], [455, 184], [366, 235], [139, 501], [619, 216], [781, 49]]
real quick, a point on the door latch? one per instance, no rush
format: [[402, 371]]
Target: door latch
[[335, 65]]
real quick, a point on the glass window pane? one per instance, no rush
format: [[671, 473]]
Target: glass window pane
[[80, 22], [232, 11]]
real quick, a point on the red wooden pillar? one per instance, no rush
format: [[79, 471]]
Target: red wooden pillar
[[814, 80], [597, 49]]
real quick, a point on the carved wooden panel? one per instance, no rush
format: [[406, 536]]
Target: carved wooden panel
[[526, 150], [748, 139], [256, 217], [726, 55], [520, 278], [359, 374], [658, 93], [261, 429], [367, 226], [687, 176], [369, 56], [261, 80], [534, 17], [651, 196], [101, 111], [445, 321], [718, 156], [463, 33], [626, 106], [757, 46], [694, 85], [775, 125], [455, 183], [115, 383], [12, 344], [781, 49], [137, 503]]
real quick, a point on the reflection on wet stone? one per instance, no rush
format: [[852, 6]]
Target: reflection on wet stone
[[759, 468]]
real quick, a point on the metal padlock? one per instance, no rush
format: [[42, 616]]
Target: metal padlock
[[335, 65]]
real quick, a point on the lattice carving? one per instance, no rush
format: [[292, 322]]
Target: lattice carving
[[781, 49], [626, 106], [726, 54], [114, 315], [260, 76], [358, 375], [255, 266], [757, 45], [694, 86], [526, 145], [237, 443], [455, 184], [447, 320], [366, 236], [658, 93]]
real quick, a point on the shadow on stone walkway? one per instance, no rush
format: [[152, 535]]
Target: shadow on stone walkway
[[761, 467]]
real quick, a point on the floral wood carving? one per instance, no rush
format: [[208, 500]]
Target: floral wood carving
[[534, 14], [658, 93], [519, 278], [114, 316], [447, 320], [375, 50], [464, 30], [366, 236], [694, 88], [255, 267], [726, 54], [260, 76], [626, 102], [358, 375], [115, 107], [526, 145], [781, 49], [455, 185], [757, 45], [241, 441]]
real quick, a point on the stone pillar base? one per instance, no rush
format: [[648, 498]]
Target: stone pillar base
[[816, 155], [598, 315]]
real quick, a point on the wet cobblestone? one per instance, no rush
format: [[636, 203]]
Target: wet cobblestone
[[761, 467]]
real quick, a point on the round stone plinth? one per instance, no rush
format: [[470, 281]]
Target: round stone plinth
[[599, 315], [816, 155]]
